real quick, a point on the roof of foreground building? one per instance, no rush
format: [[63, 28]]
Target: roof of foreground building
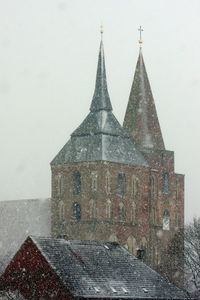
[[95, 269]]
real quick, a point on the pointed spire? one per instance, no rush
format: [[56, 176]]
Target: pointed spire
[[101, 99], [141, 119]]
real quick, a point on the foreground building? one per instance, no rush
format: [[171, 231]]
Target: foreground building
[[118, 183], [46, 268]]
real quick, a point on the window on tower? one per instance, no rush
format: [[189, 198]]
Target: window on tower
[[166, 220], [76, 183], [77, 211], [92, 209], [59, 184], [94, 181], [121, 184], [122, 213], [108, 209], [108, 182], [165, 183], [153, 184], [133, 213], [135, 187], [61, 210]]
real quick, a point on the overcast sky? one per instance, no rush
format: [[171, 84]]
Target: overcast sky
[[48, 58]]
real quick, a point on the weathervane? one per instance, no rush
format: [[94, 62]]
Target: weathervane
[[140, 40]]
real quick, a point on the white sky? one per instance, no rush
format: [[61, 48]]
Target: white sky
[[48, 57]]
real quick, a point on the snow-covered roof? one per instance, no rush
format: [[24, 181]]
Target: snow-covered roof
[[104, 270]]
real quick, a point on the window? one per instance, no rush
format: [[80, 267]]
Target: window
[[94, 181], [153, 186], [121, 212], [108, 209], [76, 183], [177, 189], [113, 238], [108, 182], [59, 184], [121, 184], [132, 245], [153, 214], [166, 220], [77, 211], [165, 185], [135, 187], [133, 213], [61, 210], [92, 209], [156, 258]]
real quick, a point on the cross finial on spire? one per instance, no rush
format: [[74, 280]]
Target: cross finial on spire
[[101, 31], [140, 40]]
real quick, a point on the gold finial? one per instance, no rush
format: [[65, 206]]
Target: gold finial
[[101, 31], [140, 40]]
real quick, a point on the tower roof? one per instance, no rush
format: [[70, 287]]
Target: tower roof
[[100, 136], [141, 119], [101, 99]]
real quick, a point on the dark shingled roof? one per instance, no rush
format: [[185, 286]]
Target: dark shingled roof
[[104, 269], [141, 119], [100, 136]]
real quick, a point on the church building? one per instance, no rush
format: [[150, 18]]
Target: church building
[[118, 183]]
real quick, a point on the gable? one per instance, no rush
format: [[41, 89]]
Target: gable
[[31, 274]]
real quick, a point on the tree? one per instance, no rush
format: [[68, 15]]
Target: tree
[[192, 255], [173, 259]]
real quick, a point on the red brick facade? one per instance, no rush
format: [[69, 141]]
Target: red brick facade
[[30, 274]]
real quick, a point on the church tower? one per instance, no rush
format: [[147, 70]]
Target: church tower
[[100, 180], [118, 183], [166, 188]]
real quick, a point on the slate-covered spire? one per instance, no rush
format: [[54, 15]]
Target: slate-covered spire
[[100, 137], [101, 99], [141, 119]]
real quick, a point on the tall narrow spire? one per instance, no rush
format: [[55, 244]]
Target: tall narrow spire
[[101, 99], [141, 119]]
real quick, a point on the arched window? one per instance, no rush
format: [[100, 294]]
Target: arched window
[[121, 184], [77, 211], [157, 258], [166, 220], [108, 209], [132, 245], [165, 183], [153, 214], [108, 182], [141, 252], [76, 183], [61, 211], [153, 186], [59, 184], [122, 213], [92, 208], [144, 242], [113, 238], [133, 213], [94, 181], [177, 189], [135, 187]]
